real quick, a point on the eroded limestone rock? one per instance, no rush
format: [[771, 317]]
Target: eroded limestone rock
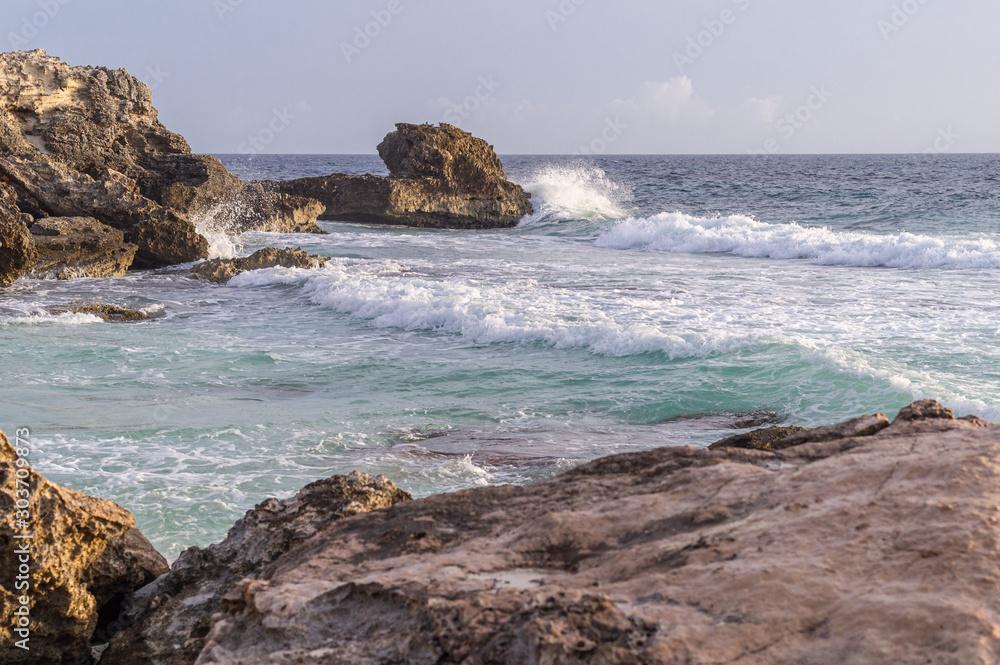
[[440, 177]]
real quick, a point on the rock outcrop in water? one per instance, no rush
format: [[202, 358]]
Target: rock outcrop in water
[[83, 558], [86, 142], [167, 621], [221, 271], [440, 177], [864, 543]]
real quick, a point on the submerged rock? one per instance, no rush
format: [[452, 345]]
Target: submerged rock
[[878, 548], [167, 621], [72, 247], [110, 313], [17, 250], [83, 557], [440, 177], [221, 271]]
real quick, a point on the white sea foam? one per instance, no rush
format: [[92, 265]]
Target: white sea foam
[[744, 236], [67, 319], [488, 312], [562, 193]]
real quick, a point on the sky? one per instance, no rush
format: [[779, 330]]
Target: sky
[[548, 76]]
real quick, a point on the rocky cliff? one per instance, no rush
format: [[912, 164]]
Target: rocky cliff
[[86, 143], [865, 543], [440, 177], [66, 581]]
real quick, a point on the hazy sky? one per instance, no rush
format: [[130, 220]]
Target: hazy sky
[[548, 76]]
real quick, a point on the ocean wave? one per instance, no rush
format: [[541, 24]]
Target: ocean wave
[[576, 192], [67, 319], [516, 311], [744, 236]]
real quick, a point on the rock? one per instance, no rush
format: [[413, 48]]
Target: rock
[[926, 409], [129, 562], [72, 247], [72, 533], [168, 620], [857, 427], [761, 439], [868, 549], [109, 313], [440, 177], [927, 416], [17, 250], [162, 237], [87, 142], [221, 271]]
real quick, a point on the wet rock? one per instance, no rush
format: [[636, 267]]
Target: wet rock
[[761, 439], [71, 533], [221, 271], [167, 621], [868, 549], [17, 250], [440, 177], [109, 313], [72, 247]]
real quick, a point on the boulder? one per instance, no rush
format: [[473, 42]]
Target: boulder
[[17, 250], [167, 621], [71, 247], [878, 548], [221, 271], [440, 177], [80, 547], [87, 142]]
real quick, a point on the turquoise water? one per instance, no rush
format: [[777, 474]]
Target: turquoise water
[[648, 302]]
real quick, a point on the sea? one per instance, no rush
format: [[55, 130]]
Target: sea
[[650, 301]]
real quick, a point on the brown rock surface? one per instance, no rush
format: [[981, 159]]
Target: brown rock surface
[[168, 620], [876, 549], [71, 532], [87, 142], [17, 250], [71, 247], [440, 177], [221, 271]]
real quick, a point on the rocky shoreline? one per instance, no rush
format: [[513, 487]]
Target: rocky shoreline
[[863, 542], [92, 184]]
